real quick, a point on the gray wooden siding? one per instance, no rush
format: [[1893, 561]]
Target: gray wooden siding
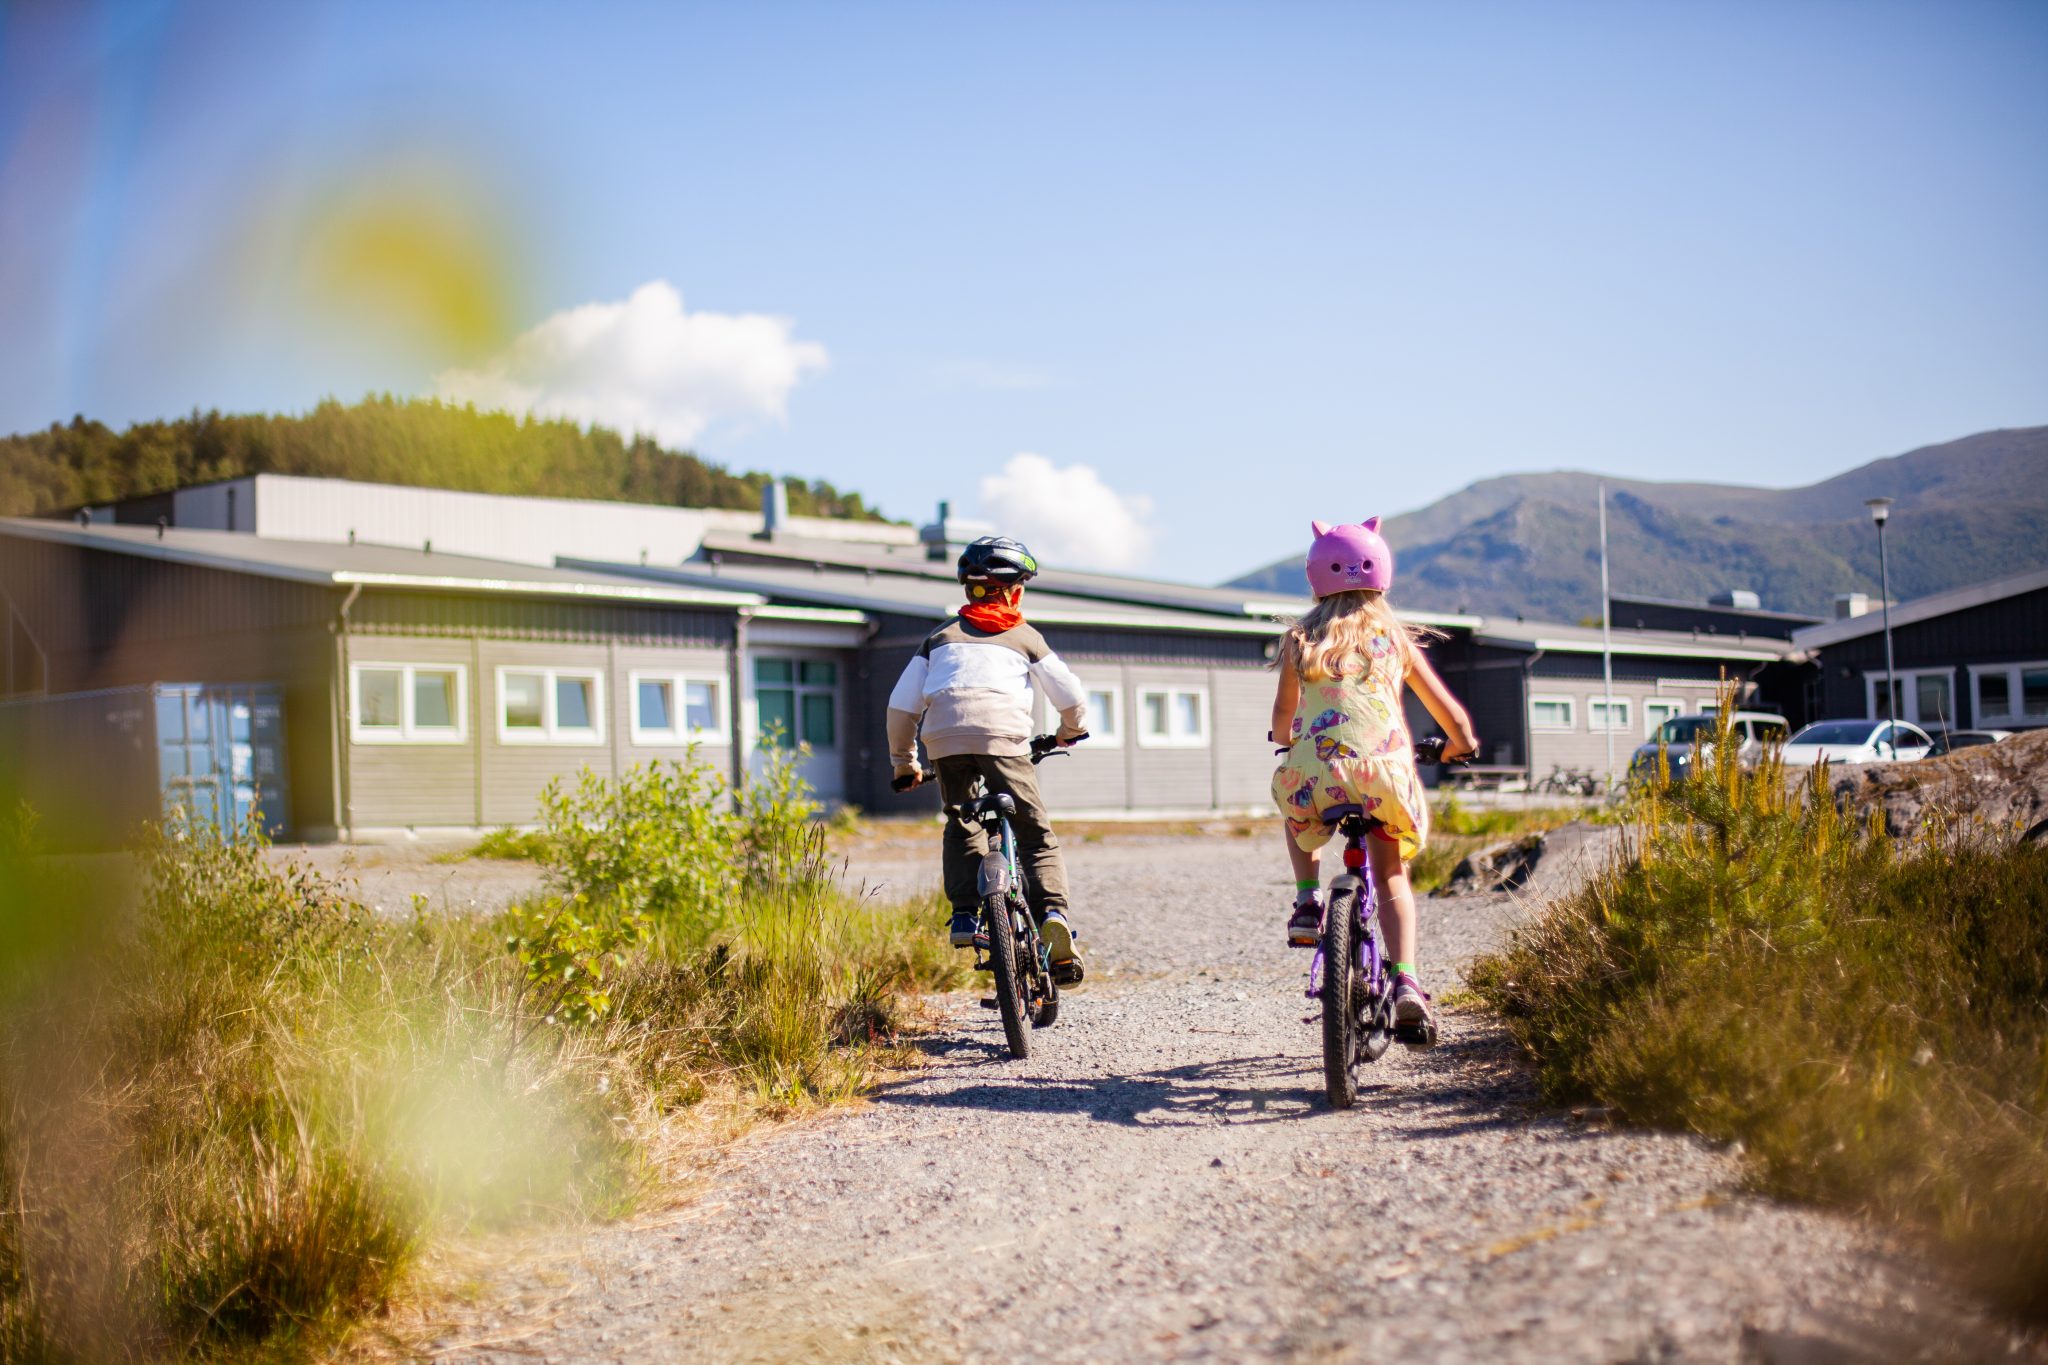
[[1171, 778], [514, 774], [408, 785], [1242, 702], [695, 661], [1092, 776], [1584, 747]]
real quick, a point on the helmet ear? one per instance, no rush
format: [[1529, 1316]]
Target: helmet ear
[[1318, 528], [1371, 523]]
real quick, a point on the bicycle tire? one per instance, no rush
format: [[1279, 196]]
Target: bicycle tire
[[1002, 956], [1340, 1021]]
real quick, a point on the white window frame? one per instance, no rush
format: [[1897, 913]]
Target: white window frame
[[2008, 719], [408, 731], [1571, 713], [550, 731], [677, 736], [1664, 708], [1909, 695], [1610, 702], [1173, 739], [1112, 735]]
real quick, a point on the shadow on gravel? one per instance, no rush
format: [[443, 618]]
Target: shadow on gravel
[[1265, 1089]]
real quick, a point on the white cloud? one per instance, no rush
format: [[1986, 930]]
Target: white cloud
[[643, 365], [1068, 516]]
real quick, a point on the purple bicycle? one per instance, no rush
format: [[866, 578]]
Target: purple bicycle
[[1349, 973]]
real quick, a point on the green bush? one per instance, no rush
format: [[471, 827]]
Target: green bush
[[234, 1108], [1865, 1014]]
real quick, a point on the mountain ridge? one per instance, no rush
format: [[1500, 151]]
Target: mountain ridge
[[1528, 544]]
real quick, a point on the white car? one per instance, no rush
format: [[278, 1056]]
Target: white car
[[1855, 741]]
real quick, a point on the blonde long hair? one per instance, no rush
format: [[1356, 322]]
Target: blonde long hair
[[1334, 632]]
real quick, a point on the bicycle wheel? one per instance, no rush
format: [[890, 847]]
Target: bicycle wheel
[[1340, 1020], [1009, 974]]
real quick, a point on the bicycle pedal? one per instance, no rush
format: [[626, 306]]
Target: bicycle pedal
[[1311, 1018], [990, 1003]]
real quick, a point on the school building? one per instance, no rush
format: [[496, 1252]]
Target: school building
[[401, 687]]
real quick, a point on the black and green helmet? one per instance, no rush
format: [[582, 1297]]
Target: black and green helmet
[[997, 559]]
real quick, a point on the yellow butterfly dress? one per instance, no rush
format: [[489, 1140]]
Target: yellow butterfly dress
[[1350, 746]]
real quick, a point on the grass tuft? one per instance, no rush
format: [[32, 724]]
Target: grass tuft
[[235, 1108], [1868, 1015]]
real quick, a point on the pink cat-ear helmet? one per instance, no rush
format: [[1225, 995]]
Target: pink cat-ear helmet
[[1349, 558]]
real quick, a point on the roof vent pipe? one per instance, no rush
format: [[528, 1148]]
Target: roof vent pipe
[[934, 536], [774, 509]]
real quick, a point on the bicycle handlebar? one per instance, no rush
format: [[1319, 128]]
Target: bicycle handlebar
[[1042, 748]]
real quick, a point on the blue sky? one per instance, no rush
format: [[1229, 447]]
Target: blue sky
[[1219, 268]]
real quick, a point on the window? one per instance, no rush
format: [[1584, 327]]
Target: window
[[676, 708], [1607, 713], [1921, 695], [1657, 710], [408, 704], [1105, 718], [797, 700], [2011, 694], [550, 706], [1173, 718], [1552, 713]]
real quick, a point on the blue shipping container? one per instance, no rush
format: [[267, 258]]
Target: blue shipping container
[[94, 765]]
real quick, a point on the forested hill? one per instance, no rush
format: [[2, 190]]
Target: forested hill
[[382, 440], [1967, 510]]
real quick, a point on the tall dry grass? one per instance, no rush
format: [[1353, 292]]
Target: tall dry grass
[[1868, 1015], [235, 1105]]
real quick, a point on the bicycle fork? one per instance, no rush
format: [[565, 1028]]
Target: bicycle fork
[[1354, 879]]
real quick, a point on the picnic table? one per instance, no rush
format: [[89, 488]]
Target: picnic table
[[1485, 777]]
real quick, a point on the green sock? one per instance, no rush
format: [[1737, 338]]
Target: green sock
[[1408, 967], [1307, 884]]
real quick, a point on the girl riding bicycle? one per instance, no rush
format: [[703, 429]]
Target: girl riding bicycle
[[1342, 669]]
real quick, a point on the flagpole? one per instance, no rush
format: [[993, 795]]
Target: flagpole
[[1606, 641]]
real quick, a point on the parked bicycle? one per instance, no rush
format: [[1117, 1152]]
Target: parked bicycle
[[1569, 782], [1349, 973], [1018, 958]]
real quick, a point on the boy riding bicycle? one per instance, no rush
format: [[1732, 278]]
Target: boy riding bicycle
[[970, 686]]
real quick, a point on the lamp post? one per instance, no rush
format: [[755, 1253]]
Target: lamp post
[[1880, 511]]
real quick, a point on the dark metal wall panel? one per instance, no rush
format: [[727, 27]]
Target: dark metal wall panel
[[1731, 622], [516, 618], [78, 601], [2014, 630], [111, 620]]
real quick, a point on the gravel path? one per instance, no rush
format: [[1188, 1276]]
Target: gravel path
[[1162, 1181]]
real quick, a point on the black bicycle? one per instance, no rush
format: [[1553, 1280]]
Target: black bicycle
[[1010, 946], [1348, 973]]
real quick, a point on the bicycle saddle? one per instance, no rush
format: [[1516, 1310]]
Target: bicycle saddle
[[1337, 815], [982, 804]]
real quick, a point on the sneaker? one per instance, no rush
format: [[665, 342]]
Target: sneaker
[[1305, 924], [1414, 1020], [967, 930], [1059, 943]]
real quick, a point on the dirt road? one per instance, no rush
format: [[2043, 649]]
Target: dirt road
[[1162, 1181]]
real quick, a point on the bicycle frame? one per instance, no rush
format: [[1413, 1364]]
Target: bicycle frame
[[1357, 875]]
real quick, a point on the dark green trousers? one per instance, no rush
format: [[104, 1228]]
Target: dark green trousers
[[1037, 849]]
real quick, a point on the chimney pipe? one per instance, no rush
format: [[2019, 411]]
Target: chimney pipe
[[774, 509]]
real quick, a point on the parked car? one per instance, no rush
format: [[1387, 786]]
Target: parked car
[[1856, 741], [1684, 736], [1948, 741]]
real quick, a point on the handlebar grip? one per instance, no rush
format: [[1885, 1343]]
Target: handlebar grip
[[1431, 750], [903, 784]]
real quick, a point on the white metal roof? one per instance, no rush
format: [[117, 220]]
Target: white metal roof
[[1134, 591], [930, 596], [1922, 609], [382, 566]]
